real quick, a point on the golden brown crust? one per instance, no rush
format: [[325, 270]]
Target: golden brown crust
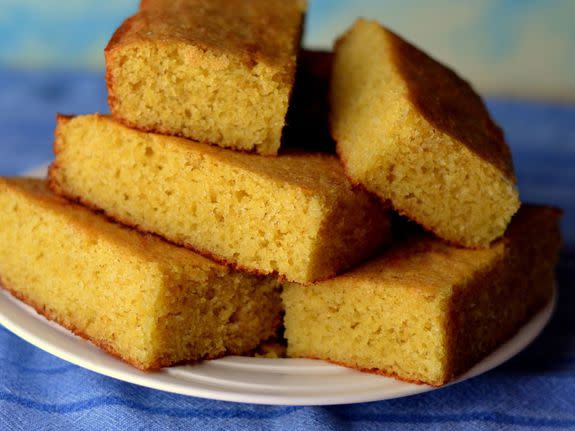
[[450, 104], [254, 32], [61, 119], [523, 258], [375, 371], [111, 87], [119, 34], [460, 364], [108, 54], [259, 38]]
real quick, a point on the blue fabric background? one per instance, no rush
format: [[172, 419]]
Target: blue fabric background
[[535, 390], [490, 42]]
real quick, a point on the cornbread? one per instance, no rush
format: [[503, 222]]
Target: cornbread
[[426, 311], [296, 215], [217, 71], [136, 296], [416, 134]]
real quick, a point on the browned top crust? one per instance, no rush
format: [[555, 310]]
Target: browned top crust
[[254, 31], [450, 104], [447, 265]]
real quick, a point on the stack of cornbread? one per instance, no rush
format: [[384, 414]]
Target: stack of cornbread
[[210, 209]]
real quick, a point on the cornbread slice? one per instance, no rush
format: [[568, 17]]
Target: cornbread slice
[[217, 71], [136, 296], [296, 215], [426, 311], [414, 133]]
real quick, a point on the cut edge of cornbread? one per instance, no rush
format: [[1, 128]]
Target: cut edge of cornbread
[[99, 343], [516, 272], [467, 194], [345, 213], [176, 277], [266, 344], [265, 73]]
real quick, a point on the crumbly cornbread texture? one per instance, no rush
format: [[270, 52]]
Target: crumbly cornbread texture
[[217, 71], [415, 133], [136, 296], [426, 311], [295, 215]]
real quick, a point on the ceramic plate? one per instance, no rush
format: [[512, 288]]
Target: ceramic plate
[[242, 379]]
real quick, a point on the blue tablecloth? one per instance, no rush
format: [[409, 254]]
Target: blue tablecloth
[[534, 390]]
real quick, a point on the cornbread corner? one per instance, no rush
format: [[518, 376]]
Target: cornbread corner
[[216, 71], [416, 134], [426, 311], [296, 215], [135, 296]]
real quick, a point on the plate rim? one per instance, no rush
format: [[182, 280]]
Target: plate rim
[[526, 334]]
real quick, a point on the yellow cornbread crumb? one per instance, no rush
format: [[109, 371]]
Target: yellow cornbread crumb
[[413, 132], [136, 296], [296, 214], [217, 71], [426, 311]]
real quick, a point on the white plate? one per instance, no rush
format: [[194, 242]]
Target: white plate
[[242, 379]]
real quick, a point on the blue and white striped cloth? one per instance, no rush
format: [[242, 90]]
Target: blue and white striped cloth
[[535, 390]]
